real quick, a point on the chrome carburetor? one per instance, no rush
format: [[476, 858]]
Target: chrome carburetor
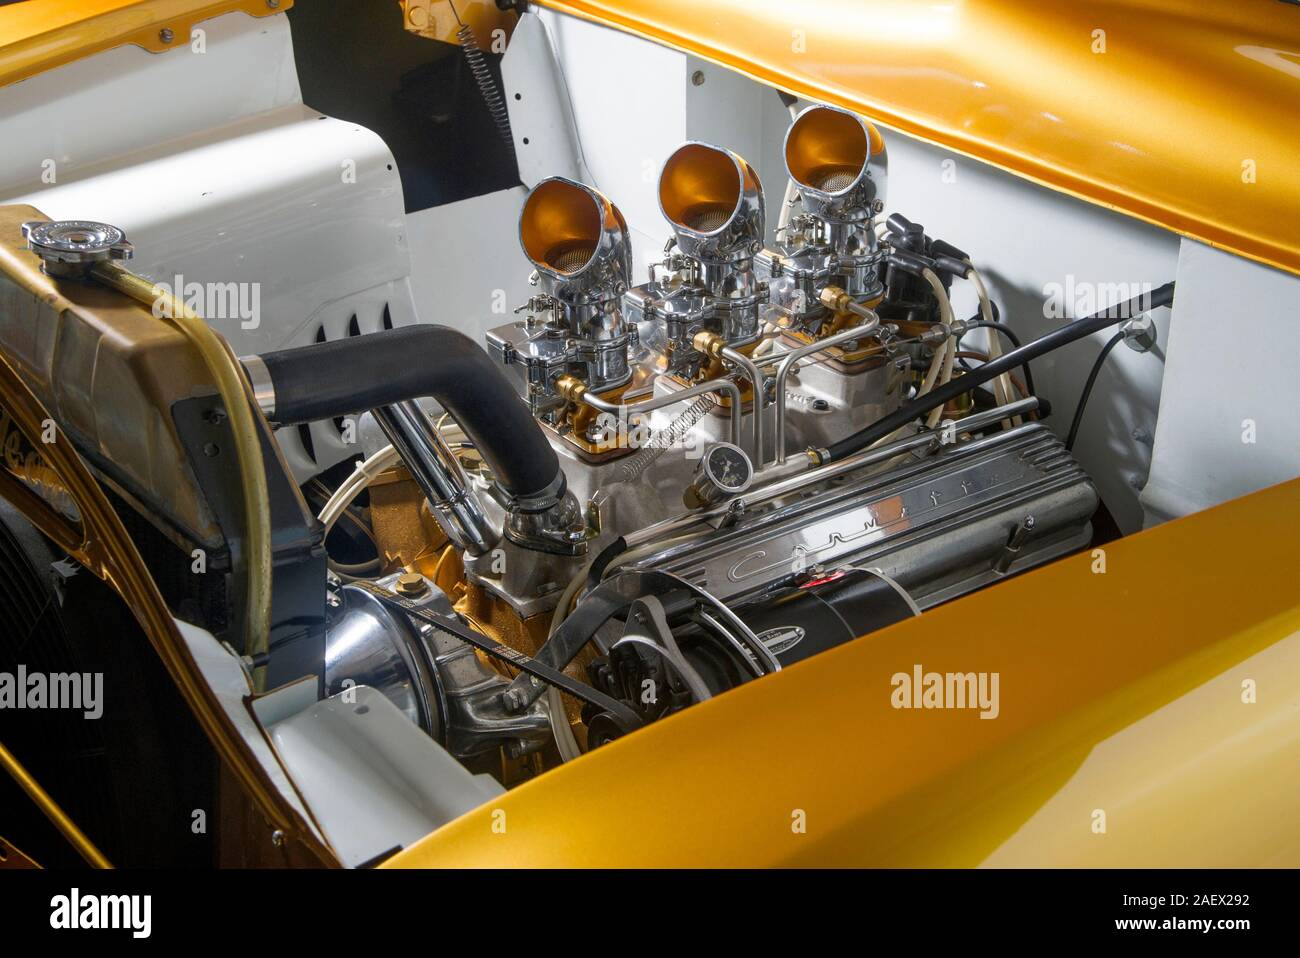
[[577, 241], [713, 200], [824, 277], [838, 163]]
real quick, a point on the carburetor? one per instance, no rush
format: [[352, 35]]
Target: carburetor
[[710, 298], [838, 164], [595, 352], [824, 276], [575, 333]]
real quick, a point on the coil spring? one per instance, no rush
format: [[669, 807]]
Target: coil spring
[[486, 83], [629, 470]]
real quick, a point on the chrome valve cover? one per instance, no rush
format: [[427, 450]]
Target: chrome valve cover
[[939, 526]]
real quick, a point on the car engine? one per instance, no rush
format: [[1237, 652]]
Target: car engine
[[642, 496]]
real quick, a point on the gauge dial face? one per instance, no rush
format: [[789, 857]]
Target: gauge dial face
[[728, 467]]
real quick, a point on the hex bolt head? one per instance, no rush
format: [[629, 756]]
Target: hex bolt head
[[1139, 333], [411, 585]]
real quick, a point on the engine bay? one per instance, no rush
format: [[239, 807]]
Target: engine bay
[[674, 496], [462, 448], [638, 496]]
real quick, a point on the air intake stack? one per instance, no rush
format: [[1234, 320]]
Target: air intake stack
[[713, 200], [839, 166], [577, 242]]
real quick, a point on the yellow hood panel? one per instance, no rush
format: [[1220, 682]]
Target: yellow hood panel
[[40, 35], [1179, 112], [1119, 691]]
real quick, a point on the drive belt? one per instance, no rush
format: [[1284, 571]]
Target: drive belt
[[513, 657]]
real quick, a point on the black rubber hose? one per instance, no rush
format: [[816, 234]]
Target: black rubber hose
[[1007, 331], [1001, 327], [334, 379], [939, 395], [1087, 388]]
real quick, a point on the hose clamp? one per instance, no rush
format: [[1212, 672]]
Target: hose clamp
[[259, 378], [550, 520]]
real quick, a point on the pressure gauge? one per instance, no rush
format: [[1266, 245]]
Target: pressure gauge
[[724, 471]]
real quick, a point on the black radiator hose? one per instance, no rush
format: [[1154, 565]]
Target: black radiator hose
[[334, 379], [1163, 296]]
